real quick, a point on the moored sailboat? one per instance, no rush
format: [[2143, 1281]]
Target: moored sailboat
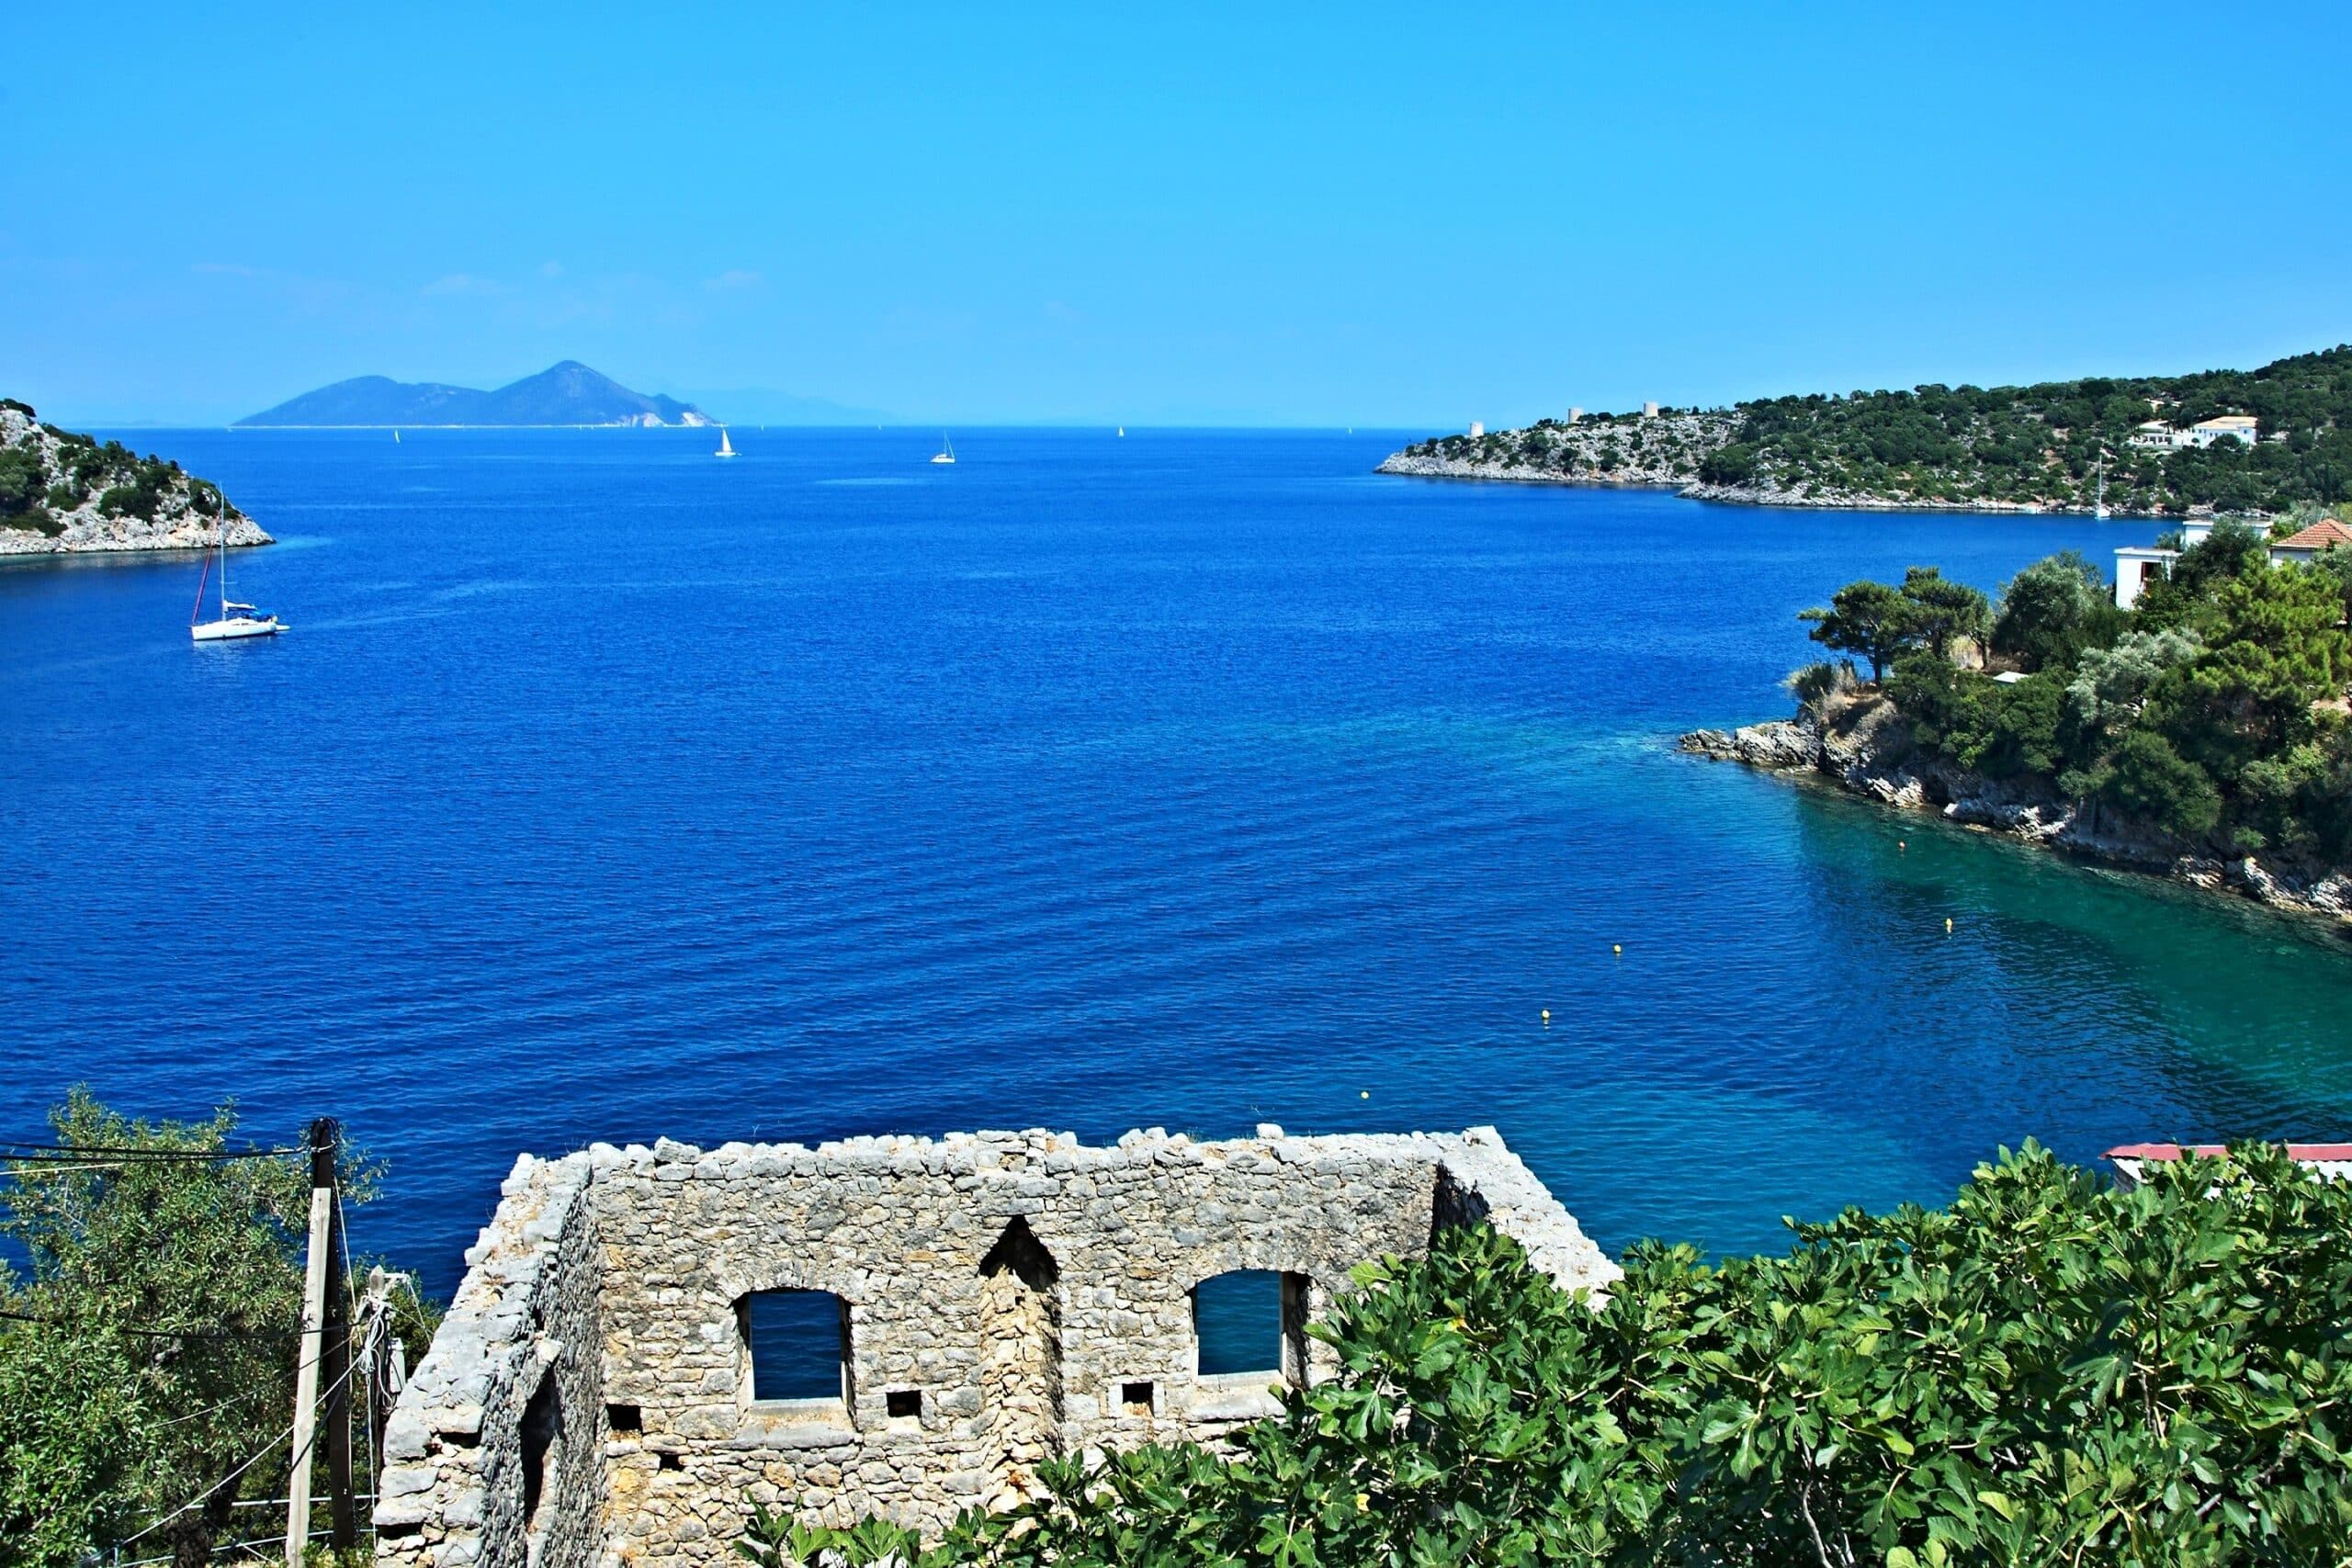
[[235, 620], [946, 453]]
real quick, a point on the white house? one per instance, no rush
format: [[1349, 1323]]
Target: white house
[[2242, 427], [2138, 565]]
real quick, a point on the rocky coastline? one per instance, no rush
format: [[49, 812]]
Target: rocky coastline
[[1864, 748], [1670, 473], [91, 500]]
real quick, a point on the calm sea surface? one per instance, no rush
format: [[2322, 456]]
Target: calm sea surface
[[607, 791]]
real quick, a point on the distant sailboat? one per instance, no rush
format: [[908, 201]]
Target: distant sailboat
[[396, 437], [247, 622], [946, 453], [726, 447], [1123, 432]]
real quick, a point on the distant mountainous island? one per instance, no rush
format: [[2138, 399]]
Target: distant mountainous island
[[2250, 442], [565, 394]]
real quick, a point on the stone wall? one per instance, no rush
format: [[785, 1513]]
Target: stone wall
[[1005, 1297], [495, 1453]]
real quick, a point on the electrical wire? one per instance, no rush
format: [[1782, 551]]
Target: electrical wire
[[247, 1464], [152, 1332], [69, 1153]]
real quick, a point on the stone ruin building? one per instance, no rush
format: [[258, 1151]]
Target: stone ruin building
[[612, 1387]]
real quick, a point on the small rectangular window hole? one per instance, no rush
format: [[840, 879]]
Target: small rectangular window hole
[[1136, 1397], [625, 1417], [903, 1402], [672, 1461]]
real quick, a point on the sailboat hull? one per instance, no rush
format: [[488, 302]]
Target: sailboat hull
[[236, 627]]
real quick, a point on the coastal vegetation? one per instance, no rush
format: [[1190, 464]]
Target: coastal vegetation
[[64, 491], [2051, 1371], [2212, 712], [147, 1351], [2057, 444]]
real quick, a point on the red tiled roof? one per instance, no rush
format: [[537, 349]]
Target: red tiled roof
[[2318, 536], [2309, 1154]]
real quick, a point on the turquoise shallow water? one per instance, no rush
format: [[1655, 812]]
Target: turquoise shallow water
[[604, 791]]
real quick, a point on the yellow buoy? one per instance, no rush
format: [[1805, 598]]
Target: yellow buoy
[[1547, 1016], [1363, 1094], [1618, 948], [1901, 845], [1947, 925]]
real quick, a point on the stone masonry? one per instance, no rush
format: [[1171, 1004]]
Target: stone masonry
[[1005, 1297]]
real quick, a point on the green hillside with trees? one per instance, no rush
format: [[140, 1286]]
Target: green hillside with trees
[[1937, 445], [2212, 713]]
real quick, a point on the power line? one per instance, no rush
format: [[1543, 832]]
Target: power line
[[46, 1153], [151, 1333], [249, 1462]]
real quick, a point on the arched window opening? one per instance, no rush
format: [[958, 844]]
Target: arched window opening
[[1252, 1322], [799, 1345]]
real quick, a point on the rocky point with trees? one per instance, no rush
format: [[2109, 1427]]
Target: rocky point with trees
[[2203, 732], [62, 492]]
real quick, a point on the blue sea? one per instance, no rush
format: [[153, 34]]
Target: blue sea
[[604, 791]]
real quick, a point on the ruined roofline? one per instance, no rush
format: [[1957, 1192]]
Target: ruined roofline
[[590, 1398]]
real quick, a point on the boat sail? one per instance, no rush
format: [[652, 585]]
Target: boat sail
[[946, 453], [245, 621], [726, 447]]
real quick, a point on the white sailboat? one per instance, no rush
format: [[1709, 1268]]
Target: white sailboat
[[396, 437], [235, 620], [1123, 432], [946, 453], [726, 447]]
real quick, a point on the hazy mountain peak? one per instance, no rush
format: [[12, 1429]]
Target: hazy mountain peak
[[565, 393]]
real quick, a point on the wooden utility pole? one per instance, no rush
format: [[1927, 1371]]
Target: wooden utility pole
[[316, 1341], [334, 1361]]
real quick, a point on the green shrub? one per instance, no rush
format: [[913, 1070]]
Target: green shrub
[[2151, 781], [2054, 610], [129, 500], [1731, 465], [22, 480], [2049, 1372]]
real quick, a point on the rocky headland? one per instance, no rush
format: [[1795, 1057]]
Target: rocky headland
[[1864, 746], [2253, 443], [65, 494], [1666, 451]]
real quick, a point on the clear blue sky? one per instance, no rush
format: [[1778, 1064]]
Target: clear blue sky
[[1255, 214]]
